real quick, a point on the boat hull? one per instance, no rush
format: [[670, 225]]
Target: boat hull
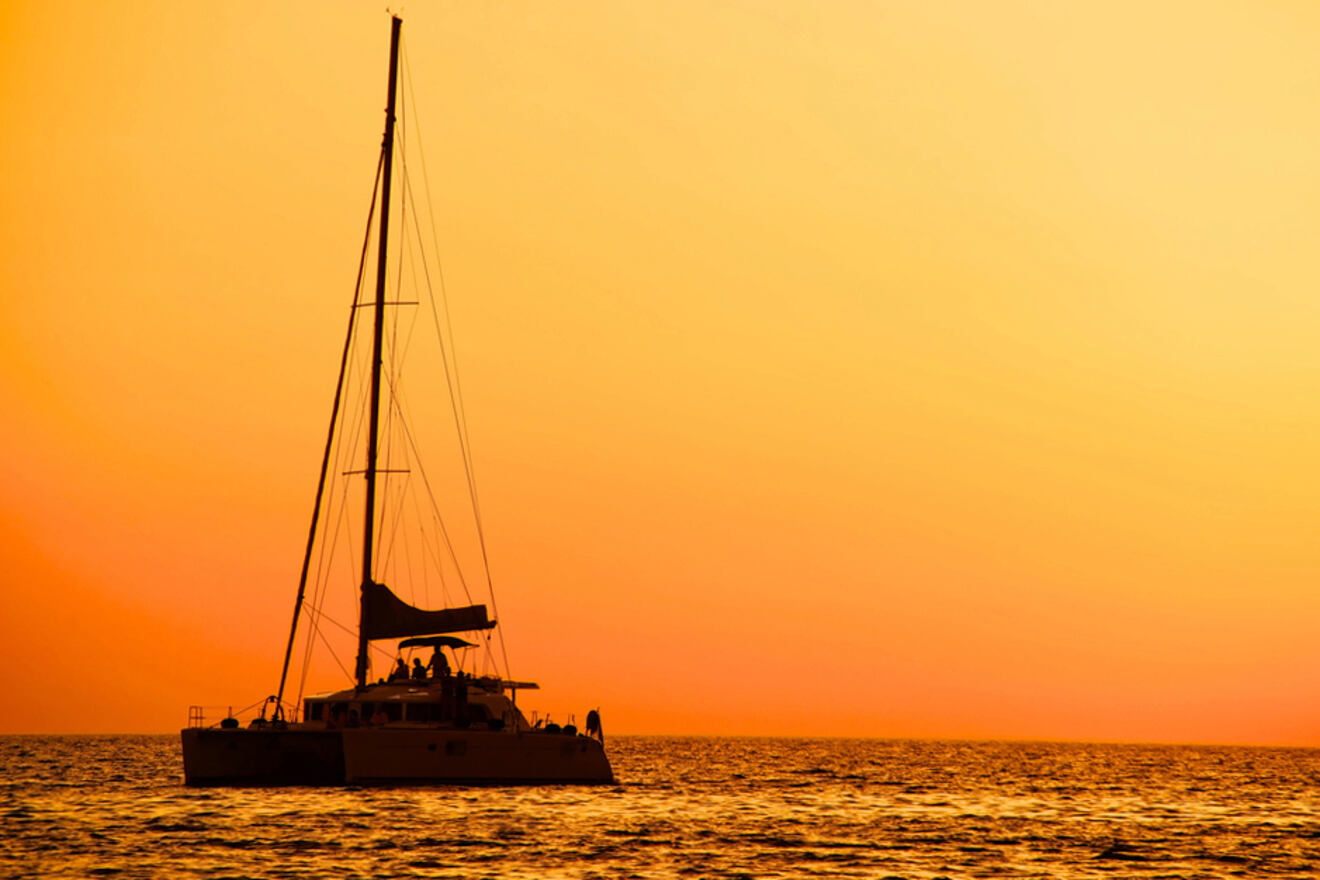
[[412, 756], [266, 756], [390, 756]]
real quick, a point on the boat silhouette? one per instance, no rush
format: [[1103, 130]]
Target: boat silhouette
[[427, 724]]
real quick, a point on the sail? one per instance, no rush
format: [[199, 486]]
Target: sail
[[386, 616]]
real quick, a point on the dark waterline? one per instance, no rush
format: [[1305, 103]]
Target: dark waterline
[[115, 806]]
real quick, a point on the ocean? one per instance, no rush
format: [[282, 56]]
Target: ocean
[[115, 806]]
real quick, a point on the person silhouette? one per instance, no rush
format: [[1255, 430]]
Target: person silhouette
[[439, 665], [593, 726], [400, 671]]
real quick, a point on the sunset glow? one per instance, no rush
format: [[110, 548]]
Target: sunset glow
[[863, 369]]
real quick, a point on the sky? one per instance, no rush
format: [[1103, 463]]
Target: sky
[[851, 369]]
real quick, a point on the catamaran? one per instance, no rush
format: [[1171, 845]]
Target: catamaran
[[427, 724]]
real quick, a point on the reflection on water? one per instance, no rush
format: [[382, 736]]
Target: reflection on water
[[116, 807]]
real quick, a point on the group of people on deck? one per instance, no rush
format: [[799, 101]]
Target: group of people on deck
[[437, 668]]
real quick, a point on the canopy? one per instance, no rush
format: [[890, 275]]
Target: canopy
[[386, 616], [436, 642]]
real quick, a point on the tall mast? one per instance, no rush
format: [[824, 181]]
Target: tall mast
[[373, 444]]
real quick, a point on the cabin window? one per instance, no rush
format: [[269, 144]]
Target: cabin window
[[393, 711], [419, 712], [478, 713], [314, 711]]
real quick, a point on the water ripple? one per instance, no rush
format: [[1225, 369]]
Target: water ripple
[[116, 807]]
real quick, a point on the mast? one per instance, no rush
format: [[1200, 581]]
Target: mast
[[378, 332]]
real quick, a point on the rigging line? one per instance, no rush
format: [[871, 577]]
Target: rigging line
[[329, 647], [319, 590], [446, 351], [440, 570], [350, 438], [388, 500], [351, 433], [358, 431], [240, 711], [397, 411], [427, 555], [439, 519], [405, 120], [313, 633], [402, 550], [395, 415], [323, 574], [451, 380], [333, 655], [395, 353], [399, 354], [396, 517], [343, 448], [329, 548], [446, 354], [454, 383], [328, 619], [434, 556], [328, 551], [408, 562], [406, 421], [406, 498], [456, 386], [398, 399], [346, 447], [338, 497], [329, 440], [421, 540], [339, 502], [400, 344], [406, 243], [412, 495], [398, 351]]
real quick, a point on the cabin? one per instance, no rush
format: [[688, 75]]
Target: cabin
[[447, 701]]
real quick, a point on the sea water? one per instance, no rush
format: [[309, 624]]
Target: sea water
[[115, 806]]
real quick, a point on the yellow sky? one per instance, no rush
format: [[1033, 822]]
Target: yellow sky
[[878, 369]]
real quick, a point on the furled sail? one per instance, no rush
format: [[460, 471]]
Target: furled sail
[[386, 616]]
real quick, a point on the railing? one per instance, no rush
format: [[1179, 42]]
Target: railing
[[197, 714]]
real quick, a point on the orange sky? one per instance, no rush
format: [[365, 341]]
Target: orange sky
[[876, 369]]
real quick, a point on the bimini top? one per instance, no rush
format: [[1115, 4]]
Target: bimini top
[[436, 642]]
